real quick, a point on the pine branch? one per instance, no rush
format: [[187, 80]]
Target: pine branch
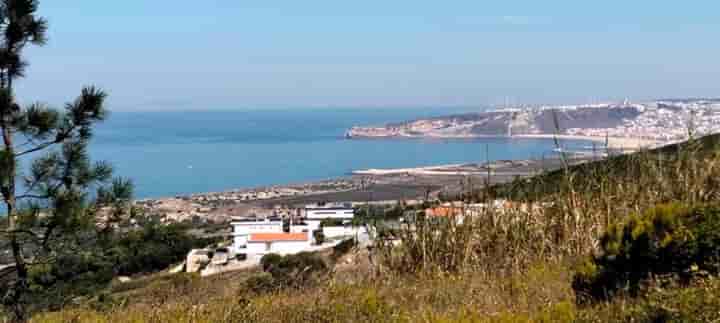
[[40, 147], [32, 196]]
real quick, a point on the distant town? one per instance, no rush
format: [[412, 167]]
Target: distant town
[[656, 122]]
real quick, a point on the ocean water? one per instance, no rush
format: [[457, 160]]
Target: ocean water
[[172, 153]]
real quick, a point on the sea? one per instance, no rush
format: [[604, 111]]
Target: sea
[[174, 153]]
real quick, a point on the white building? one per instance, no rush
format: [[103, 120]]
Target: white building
[[242, 229], [280, 243], [259, 237], [315, 215]]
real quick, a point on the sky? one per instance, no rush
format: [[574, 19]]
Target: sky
[[226, 54]]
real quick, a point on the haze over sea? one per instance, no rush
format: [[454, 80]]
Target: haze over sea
[[175, 153]]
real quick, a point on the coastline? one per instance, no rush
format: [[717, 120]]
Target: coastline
[[617, 143], [620, 143], [350, 182], [387, 186], [370, 185]]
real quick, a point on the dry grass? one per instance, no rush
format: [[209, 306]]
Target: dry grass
[[560, 219], [497, 266], [402, 299]]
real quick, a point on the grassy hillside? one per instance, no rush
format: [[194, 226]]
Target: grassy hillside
[[629, 167], [518, 264], [542, 294]]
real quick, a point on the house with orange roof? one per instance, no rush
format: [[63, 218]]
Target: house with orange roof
[[242, 228], [444, 211], [282, 243]]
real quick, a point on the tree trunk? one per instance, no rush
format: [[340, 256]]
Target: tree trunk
[[15, 244]]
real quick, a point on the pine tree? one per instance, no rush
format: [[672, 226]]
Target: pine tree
[[46, 200]]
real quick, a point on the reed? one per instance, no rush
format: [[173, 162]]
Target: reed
[[557, 216]]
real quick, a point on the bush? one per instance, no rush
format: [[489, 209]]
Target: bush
[[261, 283], [668, 240], [294, 271], [332, 223], [319, 236], [151, 248], [269, 261], [343, 248]]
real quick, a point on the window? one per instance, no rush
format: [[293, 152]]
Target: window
[[268, 246]]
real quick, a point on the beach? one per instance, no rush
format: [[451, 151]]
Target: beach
[[617, 143], [377, 186]]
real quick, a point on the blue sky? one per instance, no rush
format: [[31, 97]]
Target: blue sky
[[181, 54]]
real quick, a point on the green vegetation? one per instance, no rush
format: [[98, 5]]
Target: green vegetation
[[649, 240], [332, 223], [292, 271], [373, 214], [671, 241], [151, 248], [319, 236], [50, 214], [676, 162], [631, 238], [343, 248]]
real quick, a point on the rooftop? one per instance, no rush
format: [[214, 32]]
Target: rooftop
[[270, 237], [443, 211]]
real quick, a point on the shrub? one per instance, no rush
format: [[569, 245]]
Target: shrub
[[668, 240], [269, 261], [332, 223], [298, 270], [261, 283], [83, 273], [153, 248], [343, 248], [319, 236]]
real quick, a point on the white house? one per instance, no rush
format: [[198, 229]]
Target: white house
[[251, 236], [315, 215], [243, 228], [322, 213], [280, 243]]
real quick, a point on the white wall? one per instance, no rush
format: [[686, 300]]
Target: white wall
[[256, 227], [321, 214], [313, 225], [278, 247], [334, 232], [300, 228], [242, 231]]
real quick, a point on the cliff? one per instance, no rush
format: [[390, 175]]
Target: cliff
[[507, 123]]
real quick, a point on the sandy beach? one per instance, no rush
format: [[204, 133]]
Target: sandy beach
[[618, 143], [621, 143]]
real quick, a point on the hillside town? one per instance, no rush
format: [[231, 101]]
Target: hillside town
[[661, 121], [668, 121]]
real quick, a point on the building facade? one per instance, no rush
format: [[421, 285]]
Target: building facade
[[315, 215], [242, 229], [279, 243]]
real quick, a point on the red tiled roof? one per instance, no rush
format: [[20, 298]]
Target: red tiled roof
[[443, 211], [268, 237]]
